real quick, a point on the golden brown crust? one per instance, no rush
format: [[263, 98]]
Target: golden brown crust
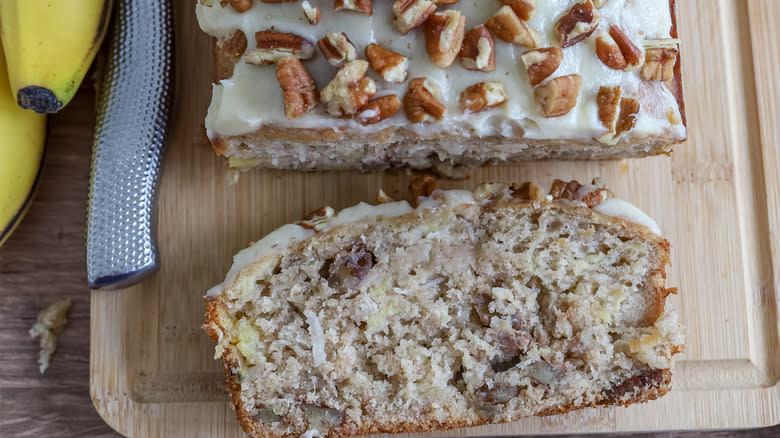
[[640, 388]]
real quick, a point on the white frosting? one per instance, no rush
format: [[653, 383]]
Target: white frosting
[[622, 209], [276, 241], [366, 212], [311, 433], [252, 97], [281, 239]]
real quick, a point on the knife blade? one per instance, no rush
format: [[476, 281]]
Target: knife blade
[[132, 125]]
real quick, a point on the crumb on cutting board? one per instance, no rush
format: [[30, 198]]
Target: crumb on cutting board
[[50, 321]]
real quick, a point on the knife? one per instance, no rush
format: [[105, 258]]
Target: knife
[[132, 124]]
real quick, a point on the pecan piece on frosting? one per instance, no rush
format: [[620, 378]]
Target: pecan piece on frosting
[[508, 27], [558, 96], [421, 102], [479, 50], [318, 219], [273, 46], [444, 37], [337, 48], [617, 51], [541, 63], [239, 6], [482, 96], [378, 109], [618, 113], [312, 13], [298, 90], [523, 8], [235, 46], [390, 65], [408, 14], [577, 23], [362, 6], [659, 64], [349, 89]]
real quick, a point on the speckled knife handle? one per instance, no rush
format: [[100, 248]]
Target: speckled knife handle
[[132, 124]]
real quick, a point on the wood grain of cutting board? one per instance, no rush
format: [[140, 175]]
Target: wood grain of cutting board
[[717, 200]]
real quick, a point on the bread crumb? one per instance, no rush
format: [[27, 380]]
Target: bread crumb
[[50, 320]]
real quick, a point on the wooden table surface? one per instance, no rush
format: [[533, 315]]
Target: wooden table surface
[[45, 261]]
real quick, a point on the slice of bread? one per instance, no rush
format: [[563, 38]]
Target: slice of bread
[[472, 308]]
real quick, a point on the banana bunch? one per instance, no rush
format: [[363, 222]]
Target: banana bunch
[[22, 136], [49, 45]]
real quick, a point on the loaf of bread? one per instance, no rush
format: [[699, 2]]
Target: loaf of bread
[[421, 83], [470, 308]]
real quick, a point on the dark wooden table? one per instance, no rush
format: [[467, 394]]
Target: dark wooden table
[[45, 261]]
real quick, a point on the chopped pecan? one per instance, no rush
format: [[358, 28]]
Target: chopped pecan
[[482, 96], [298, 90], [479, 50], [617, 51], [523, 8], [444, 37], [564, 190], [312, 13], [528, 191], [408, 14], [362, 6], [541, 63], [594, 198], [378, 109], [421, 102], [337, 48], [577, 23], [617, 113], [236, 45], [608, 101], [318, 219], [390, 65], [422, 186], [508, 27], [487, 193], [659, 64], [633, 54], [273, 46], [558, 96], [349, 89], [629, 113], [241, 6], [383, 198], [609, 53]]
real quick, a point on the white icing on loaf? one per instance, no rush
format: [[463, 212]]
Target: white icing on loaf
[[252, 98]]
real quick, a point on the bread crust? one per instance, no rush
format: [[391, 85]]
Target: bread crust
[[640, 388], [398, 146]]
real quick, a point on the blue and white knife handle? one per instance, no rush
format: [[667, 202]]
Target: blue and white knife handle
[[132, 125]]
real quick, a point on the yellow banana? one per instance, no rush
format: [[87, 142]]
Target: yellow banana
[[23, 135], [49, 45]]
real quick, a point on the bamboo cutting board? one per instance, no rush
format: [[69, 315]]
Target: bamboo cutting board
[[717, 199]]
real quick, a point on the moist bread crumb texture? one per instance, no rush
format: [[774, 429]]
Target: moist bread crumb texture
[[457, 315]]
